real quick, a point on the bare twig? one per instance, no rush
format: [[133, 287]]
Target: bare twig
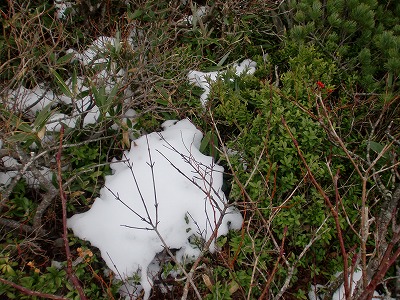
[[30, 292], [387, 261], [70, 272], [21, 227], [153, 223], [292, 268], [331, 207], [275, 269]]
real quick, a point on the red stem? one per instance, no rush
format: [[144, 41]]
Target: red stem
[[386, 262], [281, 253], [332, 209], [63, 197], [30, 292]]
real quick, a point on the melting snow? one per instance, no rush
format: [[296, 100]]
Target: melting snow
[[187, 188], [186, 184], [203, 79], [339, 294]]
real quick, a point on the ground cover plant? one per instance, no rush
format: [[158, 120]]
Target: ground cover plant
[[309, 142]]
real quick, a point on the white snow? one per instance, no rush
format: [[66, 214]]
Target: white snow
[[61, 7], [99, 47], [204, 79], [11, 163], [32, 180], [55, 121], [200, 12], [355, 278], [188, 205], [34, 99], [339, 294]]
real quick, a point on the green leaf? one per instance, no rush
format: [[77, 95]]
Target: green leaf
[[65, 58], [377, 148], [61, 84], [223, 59], [162, 102], [42, 118], [83, 94], [22, 137], [99, 95], [205, 142], [162, 91], [27, 282], [117, 44], [21, 125], [209, 144], [96, 174], [15, 121], [213, 68], [112, 95], [136, 14], [222, 241]]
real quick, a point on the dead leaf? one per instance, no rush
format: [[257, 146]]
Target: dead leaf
[[207, 281]]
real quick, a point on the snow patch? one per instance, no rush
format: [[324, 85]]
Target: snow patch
[[205, 79], [183, 177]]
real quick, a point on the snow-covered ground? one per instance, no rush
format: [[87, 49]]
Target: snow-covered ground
[[163, 193]]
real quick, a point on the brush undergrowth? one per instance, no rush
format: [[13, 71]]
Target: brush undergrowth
[[324, 91]]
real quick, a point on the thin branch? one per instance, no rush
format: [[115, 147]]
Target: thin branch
[[332, 209], [116, 196], [191, 180], [151, 165], [387, 261], [21, 227], [28, 162], [29, 292], [154, 225], [275, 269], [130, 166], [70, 272]]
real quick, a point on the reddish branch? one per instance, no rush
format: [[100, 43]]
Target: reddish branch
[[30, 292], [271, 277], [70, 272], [331, 207], [386, 262]]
